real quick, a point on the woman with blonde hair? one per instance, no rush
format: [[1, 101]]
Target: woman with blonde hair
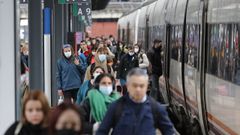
[[34, 118]]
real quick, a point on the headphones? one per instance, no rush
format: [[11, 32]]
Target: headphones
[[100, 77]]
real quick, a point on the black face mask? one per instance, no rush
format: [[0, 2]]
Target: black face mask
[[67, 132]]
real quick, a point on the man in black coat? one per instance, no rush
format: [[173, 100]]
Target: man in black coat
[[154, 56], [127, 62]]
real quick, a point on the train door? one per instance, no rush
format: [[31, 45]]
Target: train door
[[222, 67], [191, 56], [167, 62]]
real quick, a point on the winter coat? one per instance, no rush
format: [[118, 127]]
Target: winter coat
[[27, 129], [82, 92], [68, 74], [154, 56], [127, 63], [88, 75], [135, 119]]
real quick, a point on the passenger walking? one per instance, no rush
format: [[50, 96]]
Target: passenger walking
[[84, 48], [142, 57], [127, 62], [83, 62], [100, 60], [34, 120], [155, 70], [136, 113], [88, 84], [66, 119], [69, 72], [91, 56], [99, 98]]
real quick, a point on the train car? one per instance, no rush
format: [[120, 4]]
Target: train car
[[201, 60], [128, 27]]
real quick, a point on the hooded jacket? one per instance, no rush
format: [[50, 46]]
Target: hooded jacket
[[68, 74]]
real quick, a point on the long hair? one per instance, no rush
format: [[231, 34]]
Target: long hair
[[39, 96], [100, 77]]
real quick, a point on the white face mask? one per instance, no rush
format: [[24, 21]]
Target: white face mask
[[68, 54], [95, 75], [106, 90], [102, 57], [26, 53], [136, 50], [93, 53], [131, 53]]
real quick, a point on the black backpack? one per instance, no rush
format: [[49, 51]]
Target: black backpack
[[120, 105]]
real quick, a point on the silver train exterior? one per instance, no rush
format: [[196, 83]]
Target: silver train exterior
[[201, 56]]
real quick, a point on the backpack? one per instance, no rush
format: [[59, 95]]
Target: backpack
[[120, 105], [93, 66]]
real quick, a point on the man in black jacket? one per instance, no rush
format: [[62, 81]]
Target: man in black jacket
[[154, 56], [127, 62]]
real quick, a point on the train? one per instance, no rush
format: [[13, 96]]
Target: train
[[201, 59]]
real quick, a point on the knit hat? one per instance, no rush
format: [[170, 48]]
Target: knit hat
[[66, 46]]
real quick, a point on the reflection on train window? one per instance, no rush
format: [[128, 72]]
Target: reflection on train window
[[176, 43], [224, 52], [192, 45]]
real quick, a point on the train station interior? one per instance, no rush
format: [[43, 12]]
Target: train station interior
[[128, 67]]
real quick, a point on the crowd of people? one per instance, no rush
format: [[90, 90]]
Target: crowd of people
[[102, 89]]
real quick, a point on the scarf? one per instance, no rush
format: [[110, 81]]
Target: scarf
[[99, 103]]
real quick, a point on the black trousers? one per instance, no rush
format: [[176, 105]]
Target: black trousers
[[155, 91], [70, 94]]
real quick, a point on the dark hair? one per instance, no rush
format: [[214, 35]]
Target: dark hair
[[57, 112], [38, 96], [130, 47], [157, 41], [95, 68], [100, 77], [139, 46], [83, 41]]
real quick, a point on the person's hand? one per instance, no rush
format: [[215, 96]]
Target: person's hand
[[76, 61], [60, 92]]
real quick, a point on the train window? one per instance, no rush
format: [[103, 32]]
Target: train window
[[176, 43], [224, 52], [192, 45]]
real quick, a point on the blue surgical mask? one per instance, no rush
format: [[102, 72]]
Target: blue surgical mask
[[106, 90], [102, 57]]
